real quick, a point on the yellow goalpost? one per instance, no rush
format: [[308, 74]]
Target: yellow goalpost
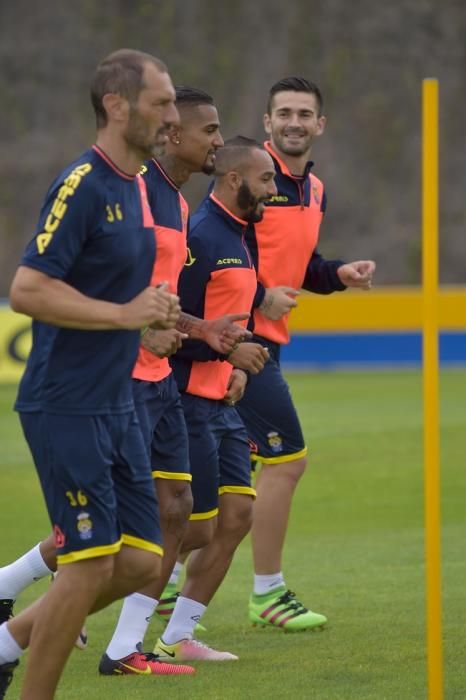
[[431, 385]]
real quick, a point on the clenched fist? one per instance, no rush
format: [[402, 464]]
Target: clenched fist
[[154, 307], [249, 356]]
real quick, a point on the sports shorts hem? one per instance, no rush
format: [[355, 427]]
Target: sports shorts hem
[[138, 543], [246, 490], [91, 553], [204, 516], [178, 476], [281, 459]]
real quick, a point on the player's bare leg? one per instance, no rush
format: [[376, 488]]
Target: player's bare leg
[[272, 604], [206, 570], [175, 504], [275, 487], [58, 621], [54, 621], [207, 567]]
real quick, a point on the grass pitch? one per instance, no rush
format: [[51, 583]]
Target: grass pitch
[[355, 552]]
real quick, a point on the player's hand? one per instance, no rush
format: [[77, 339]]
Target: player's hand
[[163, 343], [278, 301], [174, 309], [224, 334], [357, 274], [154, 305], [249, 356], [236, 387]]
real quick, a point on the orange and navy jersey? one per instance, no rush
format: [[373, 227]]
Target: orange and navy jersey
[[170, 212], [284, 243], [96, 234], [218, 278]]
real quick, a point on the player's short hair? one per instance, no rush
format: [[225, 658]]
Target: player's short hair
[[295, 84], [120, 73], [234, 154], [191, 97]]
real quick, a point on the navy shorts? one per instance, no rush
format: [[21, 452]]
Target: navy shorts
[[97, 483], [218, 453], [161, 417], [269, 415]]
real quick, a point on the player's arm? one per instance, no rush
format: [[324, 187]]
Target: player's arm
[[222, 334], [236, 387], [72, 212], [162, 343], [53, 301], [322, 275], [327, 276], [192, 288]]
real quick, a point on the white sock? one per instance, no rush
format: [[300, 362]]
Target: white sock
[[132, 625], [175, 574], [17, 576], [265, 583], [9, 648], [186, 614]]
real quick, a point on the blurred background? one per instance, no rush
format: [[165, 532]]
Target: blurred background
[[369, 58]]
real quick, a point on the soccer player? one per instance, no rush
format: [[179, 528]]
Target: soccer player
[[284, 244], [219, 278], [191, 148], [85, 280]]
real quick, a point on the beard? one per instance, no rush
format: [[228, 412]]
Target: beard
[[209, 165], [138, 137], [208, 169], [248, 203]]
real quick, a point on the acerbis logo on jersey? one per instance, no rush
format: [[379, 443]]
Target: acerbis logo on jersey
[[59, 206], [229, 261], [277, 198]]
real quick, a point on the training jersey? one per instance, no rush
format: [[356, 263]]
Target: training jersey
[[96, 233], [283, 244], [218, 278], [170, 212]]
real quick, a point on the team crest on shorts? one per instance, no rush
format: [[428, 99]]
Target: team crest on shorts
[[84, 526], [275, 441]]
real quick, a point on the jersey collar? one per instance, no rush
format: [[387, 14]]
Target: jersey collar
[[282, 166], [226, 211], [166, 175], [111, 164]]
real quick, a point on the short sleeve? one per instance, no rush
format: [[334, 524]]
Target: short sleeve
[[71, 212]]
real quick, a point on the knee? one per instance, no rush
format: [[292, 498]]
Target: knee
[[236, 524], [175, 503], [139, 568], [199, 534], [291, 471]]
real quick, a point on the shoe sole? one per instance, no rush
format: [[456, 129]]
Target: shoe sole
[[312, 628]]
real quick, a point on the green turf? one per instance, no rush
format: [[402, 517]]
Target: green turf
[[355, 552]]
